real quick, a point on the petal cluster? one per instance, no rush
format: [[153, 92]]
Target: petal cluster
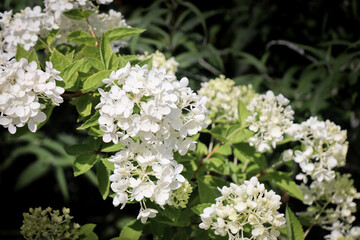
[[223, 97], [153, 117], [325, 148], [159, 61], [24, 90], [333, 203], [270, 117], [240, 207]]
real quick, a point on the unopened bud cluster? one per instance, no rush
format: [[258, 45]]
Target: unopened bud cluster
[[49, 224]]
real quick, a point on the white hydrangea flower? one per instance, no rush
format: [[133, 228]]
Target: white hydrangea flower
[[23, 91], [341, 232], [270, 117], [180, 197], [161, 115], [159, 61], [100, 22], [21, 28], [247, 205], [340, 194], [223, 97], [325, 148]]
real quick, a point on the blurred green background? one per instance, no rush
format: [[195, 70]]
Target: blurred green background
[[307, 50]]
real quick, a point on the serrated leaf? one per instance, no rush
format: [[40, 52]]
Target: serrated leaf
[[285, 183], [95, 80], [33, 57], [105, 51], [217, 132], [94, 143], [51, 36], [96, 63], [198, 209], [114, 62], [79, 14], [59, 61], [148, 61], [84, 163], [294, 228], [117, 34], [92, 121], [103, 174], [81, 37], [69, 75], [132, 230], [243, 113]]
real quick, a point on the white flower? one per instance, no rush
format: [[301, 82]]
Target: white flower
[[223, 96], [159, 61], [146, 213], [247, 205], [270, 117], [325, 148], [22, 86]]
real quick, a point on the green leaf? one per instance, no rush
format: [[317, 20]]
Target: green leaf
[[70, 75], [93, 121], [84, 163], [31, 173], [95, 81], [59, 61], [111, 147], [33, 57], [103, 174], [109, 165], [82, 37], [83, 105], [217, 132], [96, 63], [198, 209], [51, 36], [60, 177], [285, 183], [20, 53], [114, 62], [132, 230], [237, 134], [86, 232], [117, 34], [94, 143], [79, 14], [77, 149], [294, 228], [243, 113], [207, 187], [105, 51]]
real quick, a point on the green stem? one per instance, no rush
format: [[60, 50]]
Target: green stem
[[47, 45], [316, 218]]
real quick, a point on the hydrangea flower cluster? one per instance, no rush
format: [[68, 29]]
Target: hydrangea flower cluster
[[334, 201], [325, 148], [270, 117], [180, 197], [25, 27], [344, 233], [21, 28], [153, 117], [100, 22], [238, 207], [159, 61], [23, 91], [223, 97]]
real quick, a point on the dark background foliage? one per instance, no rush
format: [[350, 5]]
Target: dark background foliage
[[306, 50]]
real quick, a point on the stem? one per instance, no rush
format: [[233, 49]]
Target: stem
[[267, 169], [92, 32], [72, 95], [47, 46], [316, 218], [211, 144]]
